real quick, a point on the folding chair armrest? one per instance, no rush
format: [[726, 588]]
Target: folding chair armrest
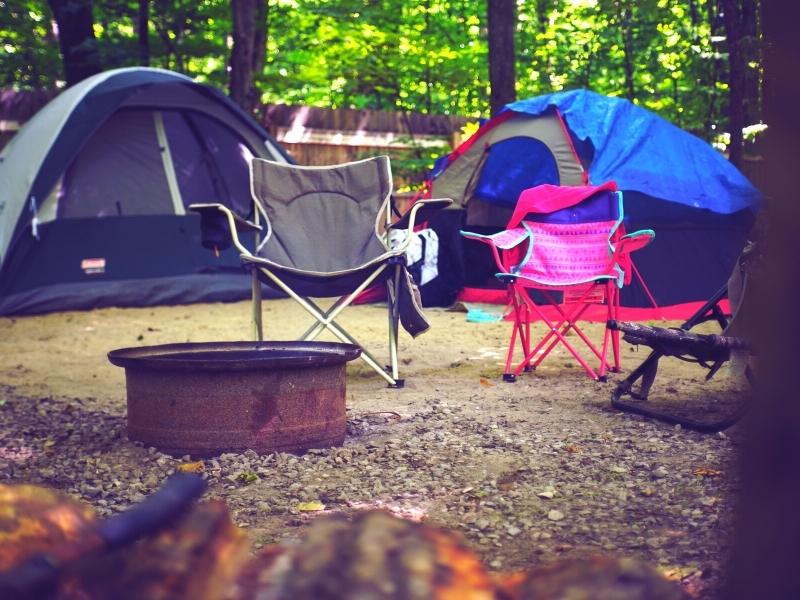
[[408, 219], [240, 223], [635, 241], [503, 240], [211, 212]]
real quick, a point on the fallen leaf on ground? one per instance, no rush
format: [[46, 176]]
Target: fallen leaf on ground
[[485, 382], [192, 467], [678, 573], [706, 472], [548, 492], [310, 506]]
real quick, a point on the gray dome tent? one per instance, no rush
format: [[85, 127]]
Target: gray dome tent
[[93, 191]]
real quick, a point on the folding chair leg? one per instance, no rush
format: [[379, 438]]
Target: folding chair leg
[[556, 335], [394, 321], [525, 333], [521, 328], [607, 334], [255, 285], [614, 311]]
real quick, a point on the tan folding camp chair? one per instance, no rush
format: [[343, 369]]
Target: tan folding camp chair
[[325, 234]]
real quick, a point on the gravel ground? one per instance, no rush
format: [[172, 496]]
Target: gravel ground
[[527, 471]]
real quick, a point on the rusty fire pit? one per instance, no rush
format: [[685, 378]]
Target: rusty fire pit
[[207, 398]]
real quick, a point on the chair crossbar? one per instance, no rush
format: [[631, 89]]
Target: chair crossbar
[[315, 330], [557, 331], [325, 320], [568, 322]]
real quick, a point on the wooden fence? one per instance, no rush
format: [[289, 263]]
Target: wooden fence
[[319, 136], [313, 136]]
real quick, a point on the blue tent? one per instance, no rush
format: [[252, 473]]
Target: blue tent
[[701, 207]]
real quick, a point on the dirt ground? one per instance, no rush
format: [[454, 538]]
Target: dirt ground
[[527, 472]]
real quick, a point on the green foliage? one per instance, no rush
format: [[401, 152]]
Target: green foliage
[[427, 56], [29, 55], [676, 68], [389, 55]]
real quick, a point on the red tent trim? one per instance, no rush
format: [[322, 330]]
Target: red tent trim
[[597, 314]]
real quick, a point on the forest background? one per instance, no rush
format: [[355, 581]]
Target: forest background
[[698, 63]]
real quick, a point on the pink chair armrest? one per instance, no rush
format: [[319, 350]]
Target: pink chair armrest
[[631, 243], [502, 240], [635, 241]]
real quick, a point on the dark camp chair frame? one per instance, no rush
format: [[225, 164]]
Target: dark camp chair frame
[[710, 351]]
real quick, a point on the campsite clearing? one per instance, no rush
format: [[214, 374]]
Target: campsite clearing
[[527, 471]]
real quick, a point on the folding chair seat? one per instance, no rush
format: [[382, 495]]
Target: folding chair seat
[[564, 247], [325, 235]]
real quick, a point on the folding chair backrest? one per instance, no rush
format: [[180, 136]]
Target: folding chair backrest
[[600, 207], [573, 245], [322, 219]]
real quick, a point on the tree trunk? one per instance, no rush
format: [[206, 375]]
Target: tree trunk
[[428, 70], [76, 38], [249, 50], [732, 15], [261, 36], [694, 15], [545, 67], [753, 55], [766, 550], [501, 19], [713, 73], [142, 32], [627, 49]]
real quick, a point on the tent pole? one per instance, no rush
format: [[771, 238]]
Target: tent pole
[[169, 167], [644, 285]]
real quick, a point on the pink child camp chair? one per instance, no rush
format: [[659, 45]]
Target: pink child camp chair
[[567, 243]]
